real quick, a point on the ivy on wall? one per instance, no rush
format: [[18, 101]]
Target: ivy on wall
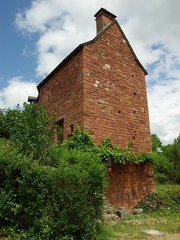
[[81, 140]]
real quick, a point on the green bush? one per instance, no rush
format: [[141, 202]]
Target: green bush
[[82, 141], [163, 168], [166, 198], [80, 185], [161, 178], [60, 202], [31, 129]]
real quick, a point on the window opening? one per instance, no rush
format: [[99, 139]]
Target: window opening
[[60, 130], [71, 128]]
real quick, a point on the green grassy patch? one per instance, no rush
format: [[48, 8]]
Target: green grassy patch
[[161, 212]]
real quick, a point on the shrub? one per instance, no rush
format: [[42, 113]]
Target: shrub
[[31, 129], [82, 141], [62, 202], [166, 199], [163, 168], [161, 178], [80, 184]]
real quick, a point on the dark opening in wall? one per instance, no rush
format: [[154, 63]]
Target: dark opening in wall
[[134, 93], [71, 128], [60, 130], [134, 111], [119, 111]]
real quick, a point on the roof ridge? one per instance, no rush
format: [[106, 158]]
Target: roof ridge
[[91, 41]]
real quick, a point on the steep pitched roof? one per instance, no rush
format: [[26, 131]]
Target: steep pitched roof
[[89, 42]]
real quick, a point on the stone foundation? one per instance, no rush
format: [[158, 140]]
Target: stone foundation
[[129, 183]]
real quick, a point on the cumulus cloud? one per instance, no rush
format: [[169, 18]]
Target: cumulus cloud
[[164, 109], [62, 26], [17, 92], [152, 28], [50, 50]]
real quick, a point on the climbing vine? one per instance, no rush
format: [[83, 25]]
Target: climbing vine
[[81, 140]]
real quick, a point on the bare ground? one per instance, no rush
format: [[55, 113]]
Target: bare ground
[[138, 236]]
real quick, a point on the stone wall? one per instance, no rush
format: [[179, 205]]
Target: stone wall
[[101, 87], [62, 93], [129, 183], [115, 99]]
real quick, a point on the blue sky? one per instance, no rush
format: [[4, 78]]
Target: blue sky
[[36, 35], [12, 44]]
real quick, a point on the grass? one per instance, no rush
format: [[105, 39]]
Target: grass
[[131, 228], [161, 213]]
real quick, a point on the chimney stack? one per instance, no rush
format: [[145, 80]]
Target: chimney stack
[[103, 18]]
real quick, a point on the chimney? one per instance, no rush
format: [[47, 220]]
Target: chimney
[[103, 18]]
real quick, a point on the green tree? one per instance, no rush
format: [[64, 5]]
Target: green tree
[[30, 129], [163, 166], [176, 159], [156, 143], [177, 140], [172, 152]]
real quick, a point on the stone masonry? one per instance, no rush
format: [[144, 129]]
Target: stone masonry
[[129, 183]]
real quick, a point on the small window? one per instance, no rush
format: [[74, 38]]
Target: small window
[[60, 130], [71, 128]]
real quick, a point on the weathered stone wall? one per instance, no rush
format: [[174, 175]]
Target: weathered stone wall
[[62, 93], [115, 99], [101, 88], [129, 183]]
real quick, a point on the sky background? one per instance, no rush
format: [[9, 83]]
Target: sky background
[[36, 35]]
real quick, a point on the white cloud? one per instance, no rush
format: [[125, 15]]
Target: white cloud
[[164, 109], [152, 28], [17, 92], [50, 51]]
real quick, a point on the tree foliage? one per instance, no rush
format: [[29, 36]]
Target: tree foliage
[[175, 158], [167, 162], [62, 201], [156, 143], [47, 191], [30, 129], [82, 141]]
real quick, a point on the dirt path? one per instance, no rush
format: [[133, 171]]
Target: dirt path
[[138, 236], [168, 236]]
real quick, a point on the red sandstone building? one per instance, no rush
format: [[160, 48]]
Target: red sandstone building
[[100, 86]]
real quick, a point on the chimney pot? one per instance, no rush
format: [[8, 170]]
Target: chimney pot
[[103, 18]]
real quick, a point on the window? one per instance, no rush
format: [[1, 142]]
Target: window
[[71, 130], [60, 130]]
